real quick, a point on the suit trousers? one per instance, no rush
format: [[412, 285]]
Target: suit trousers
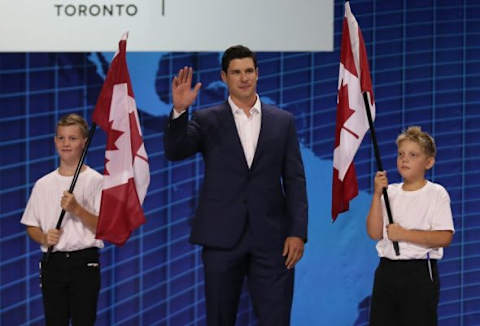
[[70, 286], [405, 293], [269, 282]]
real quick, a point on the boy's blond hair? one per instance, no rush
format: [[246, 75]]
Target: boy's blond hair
[[422, 138], [74, 119]]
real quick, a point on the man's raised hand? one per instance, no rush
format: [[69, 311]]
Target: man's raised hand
[[182, 92]]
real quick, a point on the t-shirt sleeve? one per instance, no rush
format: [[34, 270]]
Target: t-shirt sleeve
[[442, 217], [30, 214]]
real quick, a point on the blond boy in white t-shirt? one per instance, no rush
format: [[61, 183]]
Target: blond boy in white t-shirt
[[71, 278], [406, 287]]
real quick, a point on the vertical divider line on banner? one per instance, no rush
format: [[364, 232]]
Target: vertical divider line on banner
[[379, 165], [72, 186]]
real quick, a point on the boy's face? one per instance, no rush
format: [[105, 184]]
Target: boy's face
[[69, 143], [412, 162]]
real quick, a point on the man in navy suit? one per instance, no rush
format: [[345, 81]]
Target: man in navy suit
[[252, 214]]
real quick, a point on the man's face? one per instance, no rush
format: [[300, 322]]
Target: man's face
[[241, 79]]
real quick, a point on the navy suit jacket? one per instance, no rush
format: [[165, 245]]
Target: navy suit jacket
[[270, 196]]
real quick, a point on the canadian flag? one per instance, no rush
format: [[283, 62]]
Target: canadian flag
[[352, 122], [126, 173]]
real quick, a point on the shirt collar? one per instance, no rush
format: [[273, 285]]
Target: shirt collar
[[256, 108]]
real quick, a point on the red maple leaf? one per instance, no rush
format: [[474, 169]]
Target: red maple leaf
[[344, 112], [112, 137]]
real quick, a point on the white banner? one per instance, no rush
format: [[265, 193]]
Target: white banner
[[166, 25]]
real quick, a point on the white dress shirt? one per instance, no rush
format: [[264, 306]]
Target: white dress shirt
[[248, 127]]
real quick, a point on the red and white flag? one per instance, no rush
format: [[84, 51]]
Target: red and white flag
[[126, 174], [352, 122]]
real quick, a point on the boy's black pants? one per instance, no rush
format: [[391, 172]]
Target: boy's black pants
[[405, 293], [70, 287]]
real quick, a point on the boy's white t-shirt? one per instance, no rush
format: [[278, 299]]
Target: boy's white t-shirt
[[43, 208], [427, 208]]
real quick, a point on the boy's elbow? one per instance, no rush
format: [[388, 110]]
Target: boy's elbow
[[374, 230], [448, 238], [442, 239], [375, 235]]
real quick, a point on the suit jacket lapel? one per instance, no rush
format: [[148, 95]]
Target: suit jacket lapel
[[264, 127]]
